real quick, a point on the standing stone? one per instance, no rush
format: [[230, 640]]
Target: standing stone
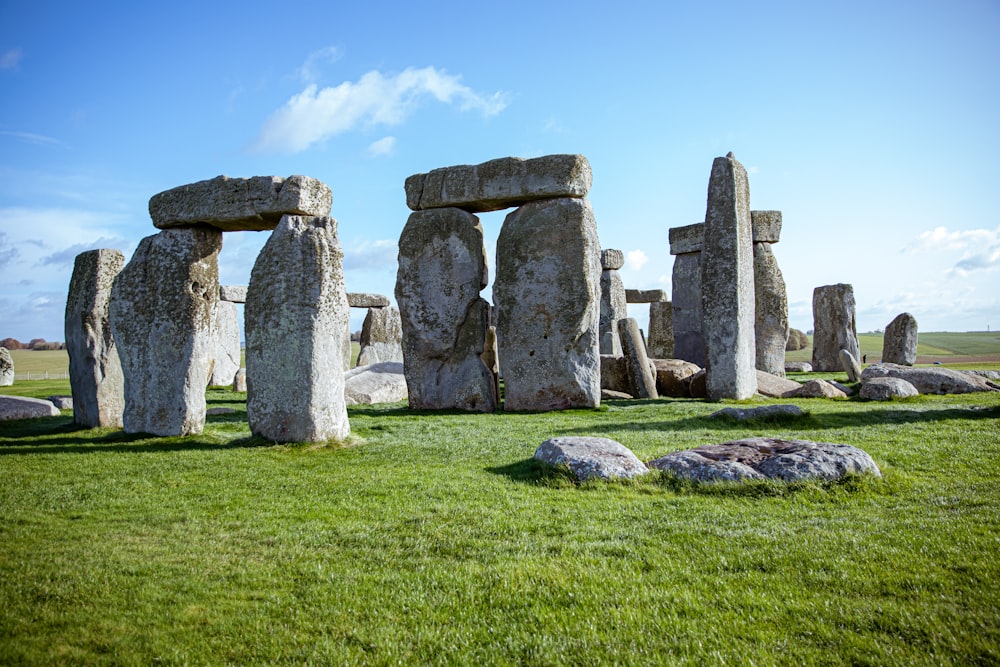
[[686, 244], [95, 372], [641, 374], [727, 292], [899, 344], [227, 346], [295, 316], [547, 294], [240, 381], [834, 327], [660, 343], [381, 337], [162, 320], [771, 311], [6, 368], [851, 366], [442, 269], [613, 304]]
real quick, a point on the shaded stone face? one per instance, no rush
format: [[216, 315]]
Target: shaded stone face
[[689, 343], [95, 372], [612, 259], [770, 311], [899, 344], [381, 336], [442, 269], [660, 339], [613, 308], [834, 327], [162, 320], [547, 293], [227, 347], [296, 313], [645, 295]]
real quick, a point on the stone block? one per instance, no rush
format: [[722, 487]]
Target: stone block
[[689, 238], [765, 226], [646, 296]]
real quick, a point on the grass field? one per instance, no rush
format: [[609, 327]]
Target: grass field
[[435, 539]]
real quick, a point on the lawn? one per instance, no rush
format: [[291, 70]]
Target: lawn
[[435, 539]]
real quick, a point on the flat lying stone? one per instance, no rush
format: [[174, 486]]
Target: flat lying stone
[[798, 367], [237, 204], [233, 293], [591, 458], [887, 388], [499, 184], [690, 238], [768, 458], [989, 375], [22, 407], [931, 380], [817, 389], [375, 383], [774, 386], [61, 402], [611, 394], [367, 300], [645, 295], [762, 412]]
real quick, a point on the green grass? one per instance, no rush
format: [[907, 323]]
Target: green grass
[[436, 539]]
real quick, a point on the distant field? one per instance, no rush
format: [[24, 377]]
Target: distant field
[[980, 349]]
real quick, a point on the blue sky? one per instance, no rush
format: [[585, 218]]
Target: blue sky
[[871, 126]]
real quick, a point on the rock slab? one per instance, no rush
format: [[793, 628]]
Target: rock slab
[[762, 412], [899, 343], [367, 300], [850, 365], [614, 308], [641, 374], [381, 336], [931, 380], [591, 458], [375, 383], [645, 295], [887, 389], [770, 311], [673, 377], [23, 407], [660, 338]]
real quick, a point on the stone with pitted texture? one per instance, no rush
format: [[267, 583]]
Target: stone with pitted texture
[[61, 402], [23, 407], [6, 368], [500, 183], [645, 296], [834, 326], [367, 300], [660, 339], [227, 346], [851, 366], [887, 388], [591, 458], [381, 336], [770, 311], [765, 226], [376, 383], [233, 293], [612, 259], [899, 343], [641, 374], [613, 308], [774, 386], [931, 380], [673, 376], [689, 342], [689, 238], [816, 389]]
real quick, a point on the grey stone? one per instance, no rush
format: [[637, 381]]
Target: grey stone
[[376, 383], [641, 379], [61, 402], [22, 407], [768, 458], [660, 342], [240, 381], [989, 375], [296, 313], [817, 389], [770, 311], [850, 366], [612, 395], [931, 380], [762, 412], [612, 259], [899, 343], [645, 296], [727, 291], [765, 226], [227, 345], [547, 295], [235, 204], [848, 391], [798, 367], [613, 309], [95, 372], [591, 458], [162, 320], [775, 386], [673, 377], [381, 336], [614, 374], [834, 327], [500, 183], [442, 268], [233, 293], [6, 368], [689, 342], [689, 238], [887, 388], [367, 300]]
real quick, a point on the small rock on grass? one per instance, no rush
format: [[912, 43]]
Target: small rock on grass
[[591, 458]]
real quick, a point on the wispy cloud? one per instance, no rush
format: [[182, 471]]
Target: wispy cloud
[[31, 138], [636, 259], [7, 252], [309, 72], [383, 146], [980, 248], [66, 256], [11, 59], [376, 99], [371, 255]]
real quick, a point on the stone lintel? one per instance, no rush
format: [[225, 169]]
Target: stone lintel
[[645, 296], [612, 259], [233, 293], [366, 300], [687, 239], [766, 226]]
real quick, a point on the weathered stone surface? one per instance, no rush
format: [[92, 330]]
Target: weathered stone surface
[[798, 367], [765, 226], [887, 388], [696, 385], [641, 379], [899, 343], [500, 183], [233, 293], [611, 394], [162, 321], [376, 383], [591, 458], [762, 412], [227, 346], [612, 259], [61, 402], [381, 336], [834, 327], [547, 294], [727, 291], [689, 238], [6, 368], [95, 372], [234, 204], [768, 458], [689, 342], [613, 309], [774, 386], [240, 381], [645, 296], [672, 376], [660, 340], [614, 375], [817, 389], [771, 310], [989, 375], [22, 407], [797, 340], [296, 313], [931, 380], [850, 366], [367, 300], [442, 268]]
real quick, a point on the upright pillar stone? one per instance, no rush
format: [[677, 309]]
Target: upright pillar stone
[[899, 344], [686, 245], [660, 343], [381, 337], [95, 372], [727, 292], [442, 269], [770, 295], [227, 344], [295, 316], [547, 294], [613, 305], [834, 326], [162, 320]]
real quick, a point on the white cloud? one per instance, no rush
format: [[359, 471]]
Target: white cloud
[[316, 114], [309, 71], [383, 146], [11, 59], [980, 248], [636, 259]]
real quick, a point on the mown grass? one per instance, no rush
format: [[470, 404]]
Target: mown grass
[[436, 539]]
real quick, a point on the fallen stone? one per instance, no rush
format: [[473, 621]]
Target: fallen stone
[[645, 295], [816, 389], [768, 458], [381, 336], [591, 458], [61, 402], [6, 368], [500, 183], [233, 293], [848, 391], [641, 379], [989, 375], [899, 343], [833, 326], [377, 383], [687, 239], [22, 407], [931, 380], [673, 376], [798, 367], [696, 385], [367, 300], [236, 204], [774, 386], [851, 366], [887, 388], [615, 395], [762, 412], [240, 381]]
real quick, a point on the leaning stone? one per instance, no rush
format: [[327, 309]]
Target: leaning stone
[[851, 366], [381, 336], [887, 388], [61, 402], [798, 367], [22, 407], [296, 313], [931, 380], [6, 368], [613, 309], [774, 386], [612, 259], [766, 226], [727, 292], [763, 412], [235, 204], [816, 389], [899, 343], [240, 381], [591, 458], [95, 371], [834, 326], [660, 341], [645, 295], [233, 293], [547, 295], [672, 376], [377, 383], [641, 379], [686, 239], [228, 352], [442, 268], [367, 300], [499, 184], [770, 311], [162, 320]]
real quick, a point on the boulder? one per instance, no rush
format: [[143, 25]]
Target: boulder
[[770, 311], [660, 340], [367, 300], [6, 368], [768, 458], [235, 204], [887, 388], [641, 374], [376, 383], [834, 327], [240, 381], [615, 395], [798, 367], [233, 293], [762, 412], [381, 336], [61, 402], [228, 353], [989, 375], [673, 376], [22, 407], [500, 183], [816, 389], [899, 343], [931, 380], [774, 386], [591, 458], [645, 295], [850, 365]]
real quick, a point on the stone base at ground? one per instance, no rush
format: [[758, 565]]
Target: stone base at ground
[[591, 458], [375, 383], [22, 407]]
